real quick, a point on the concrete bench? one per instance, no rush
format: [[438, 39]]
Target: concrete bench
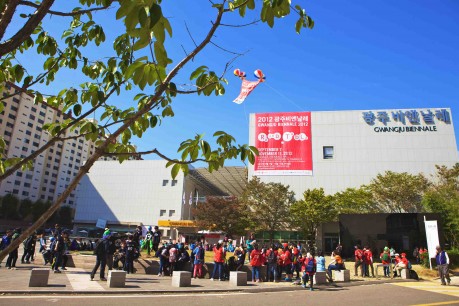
[[320, 278], [116, 279], [382, 266], [181, 279], [405, 274], [39, 277], [238, 278], [342, 276]]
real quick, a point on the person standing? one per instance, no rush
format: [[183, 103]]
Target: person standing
[[442, 260], [219, 259], [130, 254], [416, 254], [148, 242], [256, 261], [368, 258], [249, 243], [358, 254], [320, 262], [271, 264], [309, 269], [156, 239], [101, 258], [198, 259]]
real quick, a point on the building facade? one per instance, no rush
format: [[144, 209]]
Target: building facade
[[342, 149], [21, 126]]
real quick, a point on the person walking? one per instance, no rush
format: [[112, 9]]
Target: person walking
[[358, 254], [442, 260], [101, 258], [219, 259]]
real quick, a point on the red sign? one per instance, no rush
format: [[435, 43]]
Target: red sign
[[284, 143]]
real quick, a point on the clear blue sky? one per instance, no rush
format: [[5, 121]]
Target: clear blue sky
[[361, 55]]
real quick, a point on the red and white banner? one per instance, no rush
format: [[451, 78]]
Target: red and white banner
[[246, 88], [284, 142]]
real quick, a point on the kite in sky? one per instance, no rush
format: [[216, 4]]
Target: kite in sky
[[247, 86]]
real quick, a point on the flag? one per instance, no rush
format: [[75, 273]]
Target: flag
[[191, 198], [183, 198], [246, 88], [197, 197]]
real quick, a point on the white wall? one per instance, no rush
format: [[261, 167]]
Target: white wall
[[360, 153], [129, 192]]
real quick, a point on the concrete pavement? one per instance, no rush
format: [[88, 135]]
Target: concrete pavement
[[77, 281]]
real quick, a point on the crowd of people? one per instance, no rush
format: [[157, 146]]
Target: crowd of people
[[284, 262]]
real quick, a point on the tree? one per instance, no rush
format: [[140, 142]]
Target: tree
[[269, 204], [399, 192], [10, 204], [355, 201], [443, 198], [25, 208], [309, 213], [138, 58], [225, 214]]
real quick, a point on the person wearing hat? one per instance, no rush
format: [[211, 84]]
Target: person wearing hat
[[148, 243], [385, 260], [442, 261], [219, 259], [400, 263]]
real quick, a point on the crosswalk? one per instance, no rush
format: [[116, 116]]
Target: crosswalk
[[79, 280], [434, 287]]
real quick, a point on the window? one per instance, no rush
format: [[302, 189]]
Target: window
[[28, 176], [14, 108], [41, 121], [162, 212], [16, 100], [19, 174], [25, 193], [28, 133], [39, 129], [35, 144], [15, 191], [7, 133], [32, 117], [165, 182], [27, 185], [17, 183], [46, 172], [26, 140], [43, 188], [24, 149], [328, 152], [11, 116], [174, 182], [30, 124], [171, 213], [9, 124], [42, 114], [34, 109]]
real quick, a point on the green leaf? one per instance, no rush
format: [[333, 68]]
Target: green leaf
[[77, 109], [198, 72], [155, 14], [175, 170]]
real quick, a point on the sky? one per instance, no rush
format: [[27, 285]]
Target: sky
[[361, 55]]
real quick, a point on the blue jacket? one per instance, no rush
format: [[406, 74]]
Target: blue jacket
[[441, 258]]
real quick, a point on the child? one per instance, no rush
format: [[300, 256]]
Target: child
[[309, 269]]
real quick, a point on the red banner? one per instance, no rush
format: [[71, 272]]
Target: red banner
[[246, 88], [284, 142]]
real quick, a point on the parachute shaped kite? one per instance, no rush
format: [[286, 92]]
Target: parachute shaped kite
[[247, 86]]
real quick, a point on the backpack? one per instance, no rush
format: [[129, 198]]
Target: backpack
[[310, 266], [272, 258], [385, 257], [201, 254]]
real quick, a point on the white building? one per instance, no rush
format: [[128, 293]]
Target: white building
[[340, 149], [143, 193]]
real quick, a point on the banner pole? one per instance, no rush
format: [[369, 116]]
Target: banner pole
[[427, 239]]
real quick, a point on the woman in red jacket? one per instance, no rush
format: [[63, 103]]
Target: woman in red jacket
[[219, 259], [256, 261]]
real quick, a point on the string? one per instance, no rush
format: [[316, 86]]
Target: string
[[283, 96]]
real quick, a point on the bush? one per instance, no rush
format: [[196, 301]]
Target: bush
[[424, 257]]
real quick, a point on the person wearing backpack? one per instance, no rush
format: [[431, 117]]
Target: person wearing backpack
[[309, 268], [271, 264], [101, 258], [358, 254], [386, 261], [198, 259]]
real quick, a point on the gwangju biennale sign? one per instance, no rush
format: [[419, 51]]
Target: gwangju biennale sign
[[284, 143], [406, 121], [178, 223]]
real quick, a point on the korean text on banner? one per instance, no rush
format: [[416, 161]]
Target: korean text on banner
[[284, 143], [432, 237]]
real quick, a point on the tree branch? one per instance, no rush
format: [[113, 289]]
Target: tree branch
[[7, 15], [21, 35], [69, 14]]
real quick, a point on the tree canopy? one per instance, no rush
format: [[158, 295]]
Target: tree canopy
[[137, 60]]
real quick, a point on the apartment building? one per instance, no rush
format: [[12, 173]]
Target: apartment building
[[21, 125]]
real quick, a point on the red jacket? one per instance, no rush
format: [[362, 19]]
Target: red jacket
[[286, 258], [218, 255], [256, 258]]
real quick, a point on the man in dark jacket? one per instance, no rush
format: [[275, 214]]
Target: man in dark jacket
[[101, 257], [156, 239]]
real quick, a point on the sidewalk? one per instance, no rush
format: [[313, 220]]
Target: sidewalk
[[77, 281]]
